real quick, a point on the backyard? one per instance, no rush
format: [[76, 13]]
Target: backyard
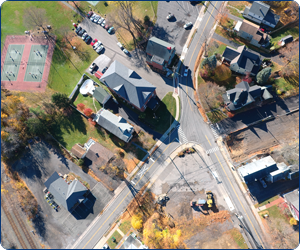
[[275, 37]]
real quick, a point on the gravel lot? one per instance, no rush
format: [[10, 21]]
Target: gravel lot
[[35, 168], [172, 31]]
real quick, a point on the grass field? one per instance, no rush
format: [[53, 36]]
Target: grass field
[[282, 33], [216, 116], [110, 242], [216, 47], [274, 212], [222, 32], [125, 226], [238, 238]]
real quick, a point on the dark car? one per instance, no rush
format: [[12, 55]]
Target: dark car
[[78, 29], [103, 71], [88, 15], [87, 39], [81, 32]]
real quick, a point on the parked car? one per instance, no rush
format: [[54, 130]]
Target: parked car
[[93, 17], [99, 49], [105, 246], [104, 70], [87, 39], [100, 20], [78, 29], [84, 36], [96, 45], [103, 23], [94, 41], [188, 25], [97, 19], [81, 32], [88, 15], [186, 71], [110, 30], [92, 67], [170, 16], [126, 51], [106, 27], [120, 45], [75, 25]]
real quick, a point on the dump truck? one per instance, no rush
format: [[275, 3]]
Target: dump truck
[[197, 203], [209, 197]]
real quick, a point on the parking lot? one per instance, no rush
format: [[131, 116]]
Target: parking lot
[[172, 31], [37, 165], [135, 61]]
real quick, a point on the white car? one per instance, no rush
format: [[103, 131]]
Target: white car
[[100, 20], [126, 51], [96, 45], [187, 25], [93, 17], [100, 49], [186, 71], [120, 45], [84, 35], [92, 67], [103, 24]]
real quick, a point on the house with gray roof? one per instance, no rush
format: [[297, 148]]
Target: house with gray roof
[[116, 125], [241, 60], [261, 13], [292, 199], [128, 85], [67, 195], [243, 95], [159, 53], [101, 95]]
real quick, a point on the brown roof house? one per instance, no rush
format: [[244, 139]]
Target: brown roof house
[[251, 32]]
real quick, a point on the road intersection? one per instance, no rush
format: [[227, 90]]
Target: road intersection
[[190, 128]]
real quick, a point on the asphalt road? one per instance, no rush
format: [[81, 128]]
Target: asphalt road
[[103, 223], [195, 129]]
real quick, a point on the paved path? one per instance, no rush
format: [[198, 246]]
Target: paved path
[[72, 8]]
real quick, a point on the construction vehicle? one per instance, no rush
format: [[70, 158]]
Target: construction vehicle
[[162, 199], [209, 197], [198, 203]]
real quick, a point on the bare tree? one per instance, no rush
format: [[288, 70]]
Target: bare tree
[[211, 93], [35, 17], [123, 18]]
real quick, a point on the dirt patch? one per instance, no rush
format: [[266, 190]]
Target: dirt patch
[[259, 139], [224, 242]]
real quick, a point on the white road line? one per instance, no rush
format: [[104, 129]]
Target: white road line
[[151, 159], [229, 203], [212, 150]]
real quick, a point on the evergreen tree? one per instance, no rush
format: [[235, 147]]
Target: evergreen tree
[[263, 76]]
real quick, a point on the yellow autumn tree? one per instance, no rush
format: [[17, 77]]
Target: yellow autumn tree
[[4, 135], [293, 221], [137, 221]]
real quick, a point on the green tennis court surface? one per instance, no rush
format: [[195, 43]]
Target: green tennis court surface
[[36, 63], [12, 62]]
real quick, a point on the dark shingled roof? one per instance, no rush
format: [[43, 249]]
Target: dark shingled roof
[[64, 194], [272, 18], [230, 53], [128, 84], [159, 47], [259, 8]]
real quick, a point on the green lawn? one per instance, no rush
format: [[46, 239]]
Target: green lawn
[[125, 226], [216, 47], [267, 201], [117, 236], [284, 85], [12, 16], [274, 212], [282, 33]]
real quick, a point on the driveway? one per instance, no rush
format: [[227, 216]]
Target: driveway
[[35, 167], [135, 61], [172, 31]]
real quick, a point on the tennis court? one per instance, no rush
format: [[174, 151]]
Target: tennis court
[[36, 63], [12, 62]]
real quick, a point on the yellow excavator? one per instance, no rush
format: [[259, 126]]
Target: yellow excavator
[[209, 197]]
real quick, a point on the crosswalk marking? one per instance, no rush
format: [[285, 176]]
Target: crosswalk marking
[[182, 135], [212, 150], [216, 135]]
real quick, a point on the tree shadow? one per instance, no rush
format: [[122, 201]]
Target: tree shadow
[[161, 33], [39, 225]]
